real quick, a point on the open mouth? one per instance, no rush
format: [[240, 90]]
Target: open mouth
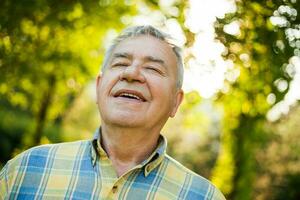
[[130, 95]]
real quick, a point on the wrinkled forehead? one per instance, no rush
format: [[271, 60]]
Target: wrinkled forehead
[[146, 46]]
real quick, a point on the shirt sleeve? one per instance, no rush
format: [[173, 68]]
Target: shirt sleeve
[[3, 183], [218, 195]]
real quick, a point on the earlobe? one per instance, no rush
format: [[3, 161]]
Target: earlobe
[[98, 80], [178, 99]]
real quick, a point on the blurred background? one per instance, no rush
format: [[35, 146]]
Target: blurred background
[[239, 124]]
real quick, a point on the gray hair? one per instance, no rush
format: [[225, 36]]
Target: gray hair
[[151, 31]]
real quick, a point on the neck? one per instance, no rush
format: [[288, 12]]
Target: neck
[[127, 147]]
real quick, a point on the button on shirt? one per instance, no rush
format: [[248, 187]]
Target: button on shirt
[[82, 170]]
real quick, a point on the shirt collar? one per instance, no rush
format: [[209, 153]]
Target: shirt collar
[[148, 165]]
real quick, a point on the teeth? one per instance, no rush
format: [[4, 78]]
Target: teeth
[[130, 95]]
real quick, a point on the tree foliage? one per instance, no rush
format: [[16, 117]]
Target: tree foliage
[[48, 52], [260, 53]]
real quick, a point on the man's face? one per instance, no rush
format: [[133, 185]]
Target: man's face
[[138, 86]]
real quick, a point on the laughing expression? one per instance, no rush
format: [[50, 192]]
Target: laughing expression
[[138, 86]]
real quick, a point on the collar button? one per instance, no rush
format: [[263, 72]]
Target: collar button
[[114, 188]]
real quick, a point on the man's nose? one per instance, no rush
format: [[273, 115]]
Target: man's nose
[[132, 73]]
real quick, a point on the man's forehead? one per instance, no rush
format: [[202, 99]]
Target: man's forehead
[[146, 46]]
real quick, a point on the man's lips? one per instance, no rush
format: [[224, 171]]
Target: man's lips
[[130, 94]]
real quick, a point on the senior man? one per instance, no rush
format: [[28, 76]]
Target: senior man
[[138, 90]]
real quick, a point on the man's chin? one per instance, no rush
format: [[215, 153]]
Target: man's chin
[[128, 121]]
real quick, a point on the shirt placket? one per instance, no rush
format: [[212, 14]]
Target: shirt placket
[[111, 184]]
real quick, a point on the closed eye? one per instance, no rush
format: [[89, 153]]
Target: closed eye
[[154, 69], [120, 65]]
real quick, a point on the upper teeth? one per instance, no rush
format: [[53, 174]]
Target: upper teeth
[[131, 95]]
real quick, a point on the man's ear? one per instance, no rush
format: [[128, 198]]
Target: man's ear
[[98, 80], [178, 99]]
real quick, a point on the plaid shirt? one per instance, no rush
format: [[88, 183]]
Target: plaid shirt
[[82, 170]]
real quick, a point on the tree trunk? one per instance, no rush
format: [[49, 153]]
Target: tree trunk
[[42, 114]]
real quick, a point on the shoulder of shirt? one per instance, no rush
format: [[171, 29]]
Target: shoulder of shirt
[[183, 168], [69, 149], [198, 179]]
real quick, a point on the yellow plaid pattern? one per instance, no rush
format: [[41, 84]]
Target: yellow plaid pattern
[[82, 170]]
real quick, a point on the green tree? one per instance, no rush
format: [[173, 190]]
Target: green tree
[[260, 54], [48, 52]]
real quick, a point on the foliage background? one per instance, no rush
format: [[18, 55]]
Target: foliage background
[[50, 53]]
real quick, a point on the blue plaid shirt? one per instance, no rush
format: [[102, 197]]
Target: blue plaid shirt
[[82, 170]]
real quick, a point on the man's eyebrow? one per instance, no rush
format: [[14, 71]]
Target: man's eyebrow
[[147, 58], [153, 59], [121, 55]]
